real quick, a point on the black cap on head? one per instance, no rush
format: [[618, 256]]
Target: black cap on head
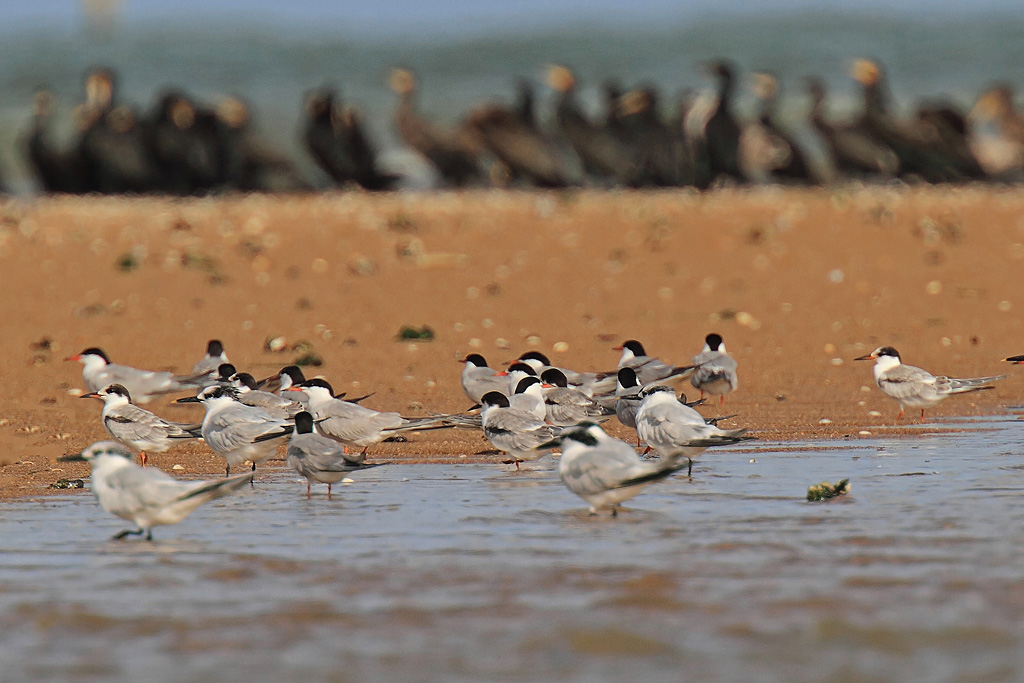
[[215, 392], [495, 398], [713, 341], [555, 376], [319, 382], [245, 379], [535, 355], [581, 433], [118, 389], [657, 389], [225, 370], [95, 351], [294, 372], [525, 383], [303, 423], [887, 351], [522, 367], [476, 359], [636, 347], [627, 378], [214, 347]]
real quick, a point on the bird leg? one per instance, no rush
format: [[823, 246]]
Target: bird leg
[[227, 471], [307, 490], [615, 511], [328, 491], [252, 482], [721, 401], [922, 415], [129, 532], [142, 457], [689, 470], [900, 416], [702, 394]]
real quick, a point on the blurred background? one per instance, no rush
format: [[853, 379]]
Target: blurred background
[[465, 52]]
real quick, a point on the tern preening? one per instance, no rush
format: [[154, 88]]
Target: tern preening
[[715, 371], [602, 470], [675, 430]]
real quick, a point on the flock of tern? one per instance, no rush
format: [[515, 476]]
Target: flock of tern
[[524, 411]]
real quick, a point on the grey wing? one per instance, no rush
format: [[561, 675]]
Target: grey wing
[[519, 432], [277, 406], [231, 429], [602, 469], [967, 384], [131, 491], [355, 425], [713, 366], [135, 424], [906, 381], [323, 454]]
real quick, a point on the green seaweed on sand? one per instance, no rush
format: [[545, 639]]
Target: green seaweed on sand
[[825, 490]]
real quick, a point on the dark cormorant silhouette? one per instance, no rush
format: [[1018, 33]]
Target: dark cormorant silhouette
[[659, 148], [337, 141], [453, 152], [789, 163], [250, 164], [602, 153], [852, 150], [716, 142], [511, 134], [186, 145], [111, 143], [919, 148], [56, 170]]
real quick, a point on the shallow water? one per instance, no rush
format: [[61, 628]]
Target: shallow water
[[474, 572]]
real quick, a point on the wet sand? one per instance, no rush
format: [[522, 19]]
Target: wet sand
[[798, 282]]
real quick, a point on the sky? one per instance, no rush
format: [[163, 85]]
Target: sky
[[447, 17]]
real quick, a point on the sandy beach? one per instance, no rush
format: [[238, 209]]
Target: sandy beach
[[798, 282]]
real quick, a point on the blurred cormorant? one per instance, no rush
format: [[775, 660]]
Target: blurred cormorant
[[452, 151]]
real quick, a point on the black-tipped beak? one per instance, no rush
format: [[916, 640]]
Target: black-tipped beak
[[1016, 360], [189, 399], [91, 394], [867, 357], [72, 457]]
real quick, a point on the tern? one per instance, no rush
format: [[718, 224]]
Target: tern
[[602, 470], [478, 379], [318, 458], [146, 497], [913, 387], [515, 432], [279, 406], [675, 430], [358, 426], [566, 406], [648, 369], [715, 372], [529, 397], [214, 358], [143, 385], [137, 427], [237, 432], [288, 377], [590, 383]]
